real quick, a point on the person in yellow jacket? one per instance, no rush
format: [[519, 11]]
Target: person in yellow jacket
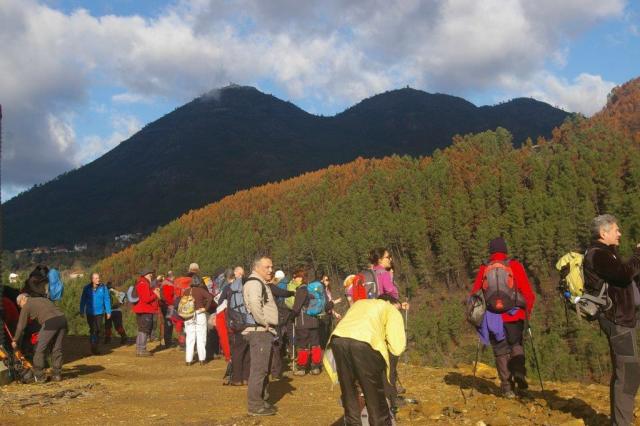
[[358, 351]]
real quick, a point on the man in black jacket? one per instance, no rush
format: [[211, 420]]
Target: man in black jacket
[[603, 266]]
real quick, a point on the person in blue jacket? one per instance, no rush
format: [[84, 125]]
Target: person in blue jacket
[[95, 303]]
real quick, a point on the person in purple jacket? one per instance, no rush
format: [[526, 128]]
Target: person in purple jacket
[[380, 259]]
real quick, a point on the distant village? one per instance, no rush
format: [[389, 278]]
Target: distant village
[[119, 242]]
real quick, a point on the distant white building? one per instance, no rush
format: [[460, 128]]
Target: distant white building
[[76, 274], [80, 247]]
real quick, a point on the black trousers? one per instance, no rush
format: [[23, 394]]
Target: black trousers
[[307, 337], [240, 358], [114, 322], [357, 362], [96, 327], [390, 389], [625, 365]]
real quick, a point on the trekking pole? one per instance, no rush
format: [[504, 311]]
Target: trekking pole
[[535, 357], [17, 353], [293, 347], [475, 367]]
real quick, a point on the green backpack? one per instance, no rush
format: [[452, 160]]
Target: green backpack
[[291, 286]]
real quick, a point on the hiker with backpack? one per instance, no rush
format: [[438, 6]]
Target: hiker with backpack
[[237, 320], [310, 302], [326, 321], [193, 306], [262, 320], [180, 284], [145, 309], [279, 348], [117, 300], [221, 322], [504, 285], [358, 353], [604, 268], [167, 299], [37, 284], [53, 327], [95, 303]]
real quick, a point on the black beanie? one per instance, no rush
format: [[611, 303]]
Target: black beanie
[[498, 245]]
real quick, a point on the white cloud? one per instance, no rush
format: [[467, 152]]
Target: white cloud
[[587, 93], [336, 52]]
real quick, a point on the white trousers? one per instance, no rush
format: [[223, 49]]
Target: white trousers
[[196, 330]]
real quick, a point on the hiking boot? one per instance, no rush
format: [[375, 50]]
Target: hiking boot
[[300, 373], [107, 340], [188, 363], [124, 340], [509, 394], [400, 402], [144, 353], [263, 412], [315, 371], [94, 350], [520, 382], [269, 405], [236, 383], [201, 363]]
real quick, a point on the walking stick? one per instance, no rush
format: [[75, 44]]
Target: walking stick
[[535, 357], [17, 353], [475, 366], [293, 347]]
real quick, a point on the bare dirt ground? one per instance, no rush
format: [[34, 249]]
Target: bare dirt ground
[[118, 388]]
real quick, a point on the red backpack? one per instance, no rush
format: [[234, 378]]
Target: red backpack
[[365, 285], [499, 287]]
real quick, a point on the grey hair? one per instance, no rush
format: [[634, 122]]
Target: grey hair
[[21, 297], [257, 259], [604, 221]]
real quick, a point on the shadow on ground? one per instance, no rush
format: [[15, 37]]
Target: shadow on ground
[[81, 370], [574, 406], [278, 389]]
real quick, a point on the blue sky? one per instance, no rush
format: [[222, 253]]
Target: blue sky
[[78, 77]]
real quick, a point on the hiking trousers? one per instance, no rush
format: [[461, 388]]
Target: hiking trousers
[[509, 354], [196, 329], [52, 333], [168, 324], [390, 387], [358, 362], [96, 327], [114, 322], [240, 358], [625, 366], [145, 322], [260, 343]]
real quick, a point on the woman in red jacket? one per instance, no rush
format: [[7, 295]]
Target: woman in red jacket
[[504, 327], [145, 309]]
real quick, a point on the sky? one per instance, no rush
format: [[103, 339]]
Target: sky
[[79, 77]]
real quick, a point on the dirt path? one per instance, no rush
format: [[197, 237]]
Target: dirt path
[[118, 388]]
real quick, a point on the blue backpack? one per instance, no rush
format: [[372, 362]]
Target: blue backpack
[[56, 286], [317, 301], [282, 285]]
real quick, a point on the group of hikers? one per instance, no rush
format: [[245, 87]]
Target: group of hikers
[[264, 318]]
